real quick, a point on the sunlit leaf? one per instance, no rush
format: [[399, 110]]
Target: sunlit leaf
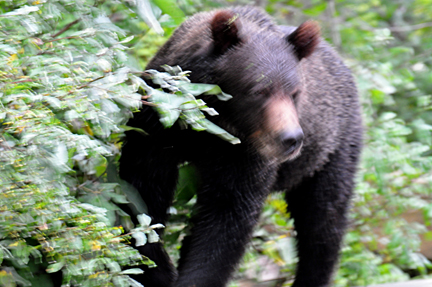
[[144, 220], [134, 271], [22, 11], [145, 12], [55, 267], [140, 238], [152, 237]]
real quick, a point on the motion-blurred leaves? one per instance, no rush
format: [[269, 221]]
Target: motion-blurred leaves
[[65, 93]]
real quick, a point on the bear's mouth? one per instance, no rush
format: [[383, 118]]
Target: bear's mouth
[[277, 150], [292, 153]]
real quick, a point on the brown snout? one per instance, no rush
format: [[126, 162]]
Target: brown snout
[[282, 121], [280, 136]]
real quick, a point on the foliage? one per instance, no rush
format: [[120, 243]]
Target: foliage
[[396, 168], [181, 105], [65, 95]]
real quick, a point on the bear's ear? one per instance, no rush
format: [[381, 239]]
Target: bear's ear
[[305, 39], [225, 31]]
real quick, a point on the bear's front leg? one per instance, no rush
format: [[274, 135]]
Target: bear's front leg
[[319, 207], [150, 164], [228, 207]]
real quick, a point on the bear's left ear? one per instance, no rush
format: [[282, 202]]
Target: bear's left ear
[[305, 39], [225, 31]]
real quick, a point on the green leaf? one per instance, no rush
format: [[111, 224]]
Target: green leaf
[[395, 51], [55, 267], [145, 12], [113, 266], [168, 106], [92, 208], [53, 102], [157, 225], [214, 129], [198, 89], [104, 65], [187, 184], [153, 236], [206, 89], [132, 271], [128, 128], [135, 283], [171, 8], [22, 11], [144, 220], [316, 10], [140, 238], [101, 167]]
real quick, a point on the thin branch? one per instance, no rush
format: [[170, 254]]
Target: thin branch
[[141, 73], [65, 28], [410, 28], [82, 185], [58, 39], [401, 28], [149, 104], [86, 85], [42, 52], [334, 27], [22, 81]]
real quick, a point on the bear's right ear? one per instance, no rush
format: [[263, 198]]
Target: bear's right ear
[[225, 28], [305, 39]]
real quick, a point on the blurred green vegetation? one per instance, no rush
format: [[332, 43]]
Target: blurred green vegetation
[[69, 81], [65, 93]]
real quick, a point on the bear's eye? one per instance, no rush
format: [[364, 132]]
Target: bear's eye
[[261, 95], [294, 95]]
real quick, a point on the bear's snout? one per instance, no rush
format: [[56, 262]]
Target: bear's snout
[[291, 140]]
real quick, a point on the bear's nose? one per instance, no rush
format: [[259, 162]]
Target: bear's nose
[[291, 140]]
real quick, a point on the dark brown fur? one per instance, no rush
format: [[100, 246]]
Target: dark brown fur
[[311, 152], [224, 29], [305, 39]]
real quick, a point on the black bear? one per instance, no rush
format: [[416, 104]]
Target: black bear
[[295, 109]]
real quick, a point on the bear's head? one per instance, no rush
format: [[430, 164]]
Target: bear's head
[[258, 64], [255, 61]]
